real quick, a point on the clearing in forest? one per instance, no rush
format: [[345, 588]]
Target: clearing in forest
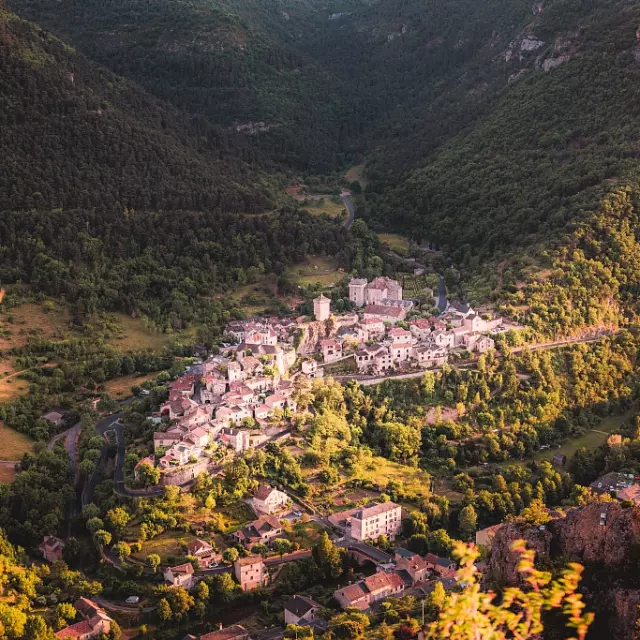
[[397, 243], [135, 336], [14, 443], [121, 387]]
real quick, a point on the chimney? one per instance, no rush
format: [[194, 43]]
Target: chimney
[[220, 626]]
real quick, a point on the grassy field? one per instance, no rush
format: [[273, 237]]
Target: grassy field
[[326, 206], [121, 387], [396, 243], [16, 325], [317, 269], [167, 546], [135, 336], [11, 386], [356, 174], [14, 444]]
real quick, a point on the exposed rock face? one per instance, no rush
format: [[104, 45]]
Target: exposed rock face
[[602, 536]]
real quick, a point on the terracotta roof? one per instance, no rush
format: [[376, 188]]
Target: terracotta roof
[[382, 310], [186, 568], [234, 632], [264, 491], [198, 545], [380, 581], [87, 608], [352, 592], [249, 560], [76, 630], [375, 510]]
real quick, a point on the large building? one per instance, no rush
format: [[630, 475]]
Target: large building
[[376, 520], [322, 308], [251, 572], [362, 292]]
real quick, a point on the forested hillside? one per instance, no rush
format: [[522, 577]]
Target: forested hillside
[[75, 135], [561, 136], [234, 63]]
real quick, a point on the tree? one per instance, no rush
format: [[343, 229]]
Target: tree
[[230, 555], [298, 633], [66, 611], [117, 519], [94, 524], [472, 613], [148, 475], [90, 511], [122, 550], [181, 602], [102, 538], [260, 549], [536, 513], [468, 521], [37, 629], [281, 546], [350, 625], [327, 557], [164, 610], [153, 561]]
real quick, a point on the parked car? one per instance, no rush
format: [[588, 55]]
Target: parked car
[[132, 600]]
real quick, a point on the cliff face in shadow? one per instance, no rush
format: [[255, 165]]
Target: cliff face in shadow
[[605, 538]]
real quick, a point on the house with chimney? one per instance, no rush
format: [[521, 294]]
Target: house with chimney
[[203, 552], [232, 632], [260, 531], [51, 548], [269, 500], [250, 572], [442, 567], [331, 350], [300, 610], [95, 622], [411, 567], [365, 594], [180, 576]]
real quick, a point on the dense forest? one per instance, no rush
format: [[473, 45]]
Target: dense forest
[[76, 136]]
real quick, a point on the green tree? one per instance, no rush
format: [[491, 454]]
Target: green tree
[[117, 519], [281, 546], [66, 611], [468, 521], [102, 538], [230, 555], [122, 550], [164, 610], [153, 561], [327, 557]]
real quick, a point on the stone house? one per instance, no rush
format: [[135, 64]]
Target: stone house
[[310, 369], [260, 531], [237, 439], [364, 594], [374, 520], [269, 500], [51, 548], [443, 567], [299, 610], [232, 632], [251, 572], [204, 552], [331, 350], [429, 355], [384, 313], [180, 576], [95, 623]]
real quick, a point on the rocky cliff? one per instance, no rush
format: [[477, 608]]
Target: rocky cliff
[[605, 538]]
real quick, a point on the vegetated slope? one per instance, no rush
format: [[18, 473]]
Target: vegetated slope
[[561, 136], [234, 63], [422, 70], [76, 135]]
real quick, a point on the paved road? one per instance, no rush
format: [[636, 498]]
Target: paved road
[[273, 561], [350, 208], [442, 295], [123, 608]]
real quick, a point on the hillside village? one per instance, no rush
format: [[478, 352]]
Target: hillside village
[[238, 397]]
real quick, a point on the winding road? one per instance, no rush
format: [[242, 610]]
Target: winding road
[[345, 197]]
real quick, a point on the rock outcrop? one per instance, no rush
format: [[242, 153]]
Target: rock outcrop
[[604, 537]]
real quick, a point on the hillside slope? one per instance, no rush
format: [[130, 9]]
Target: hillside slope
[[76, 135], [236, 63]]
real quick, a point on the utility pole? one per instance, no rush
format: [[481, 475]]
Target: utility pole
[[423, 613]]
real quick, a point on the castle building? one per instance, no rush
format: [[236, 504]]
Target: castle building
[[377, 291], [322, 308]]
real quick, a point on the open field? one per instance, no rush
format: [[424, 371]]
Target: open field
[[17, 324], [136, 337], [11, 386], [7, 475], [356, 174], [326, 206], [395, 242], [380, 471], [14, 444], [121, 387], [317, 269], [590, 440], [167, 546]]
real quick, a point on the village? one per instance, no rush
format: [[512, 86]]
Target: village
[[238, 397]]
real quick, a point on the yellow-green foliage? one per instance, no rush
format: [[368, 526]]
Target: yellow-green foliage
[[472, 614]]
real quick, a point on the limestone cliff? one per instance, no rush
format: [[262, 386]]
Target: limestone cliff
[[604, 538]]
